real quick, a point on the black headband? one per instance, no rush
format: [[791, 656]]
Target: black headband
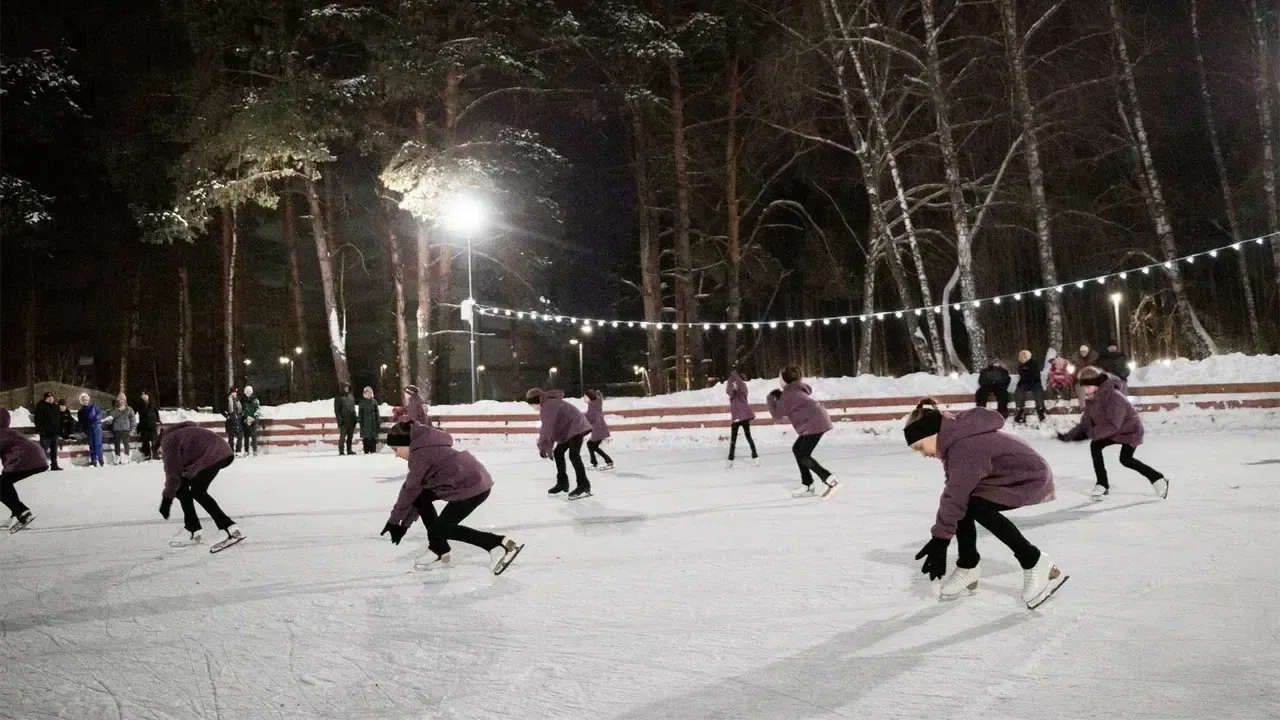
[[928, 425], [1098, 380]]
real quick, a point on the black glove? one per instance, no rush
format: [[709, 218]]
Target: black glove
[[397, 532], [1063, 437], [935, 558], [165, 504], [543, 455], [775, 394]]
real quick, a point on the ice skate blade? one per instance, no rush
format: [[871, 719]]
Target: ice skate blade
[[831, 490], [1054, 584], [13, 530], [579, 496], [965, 592], [224, 544], [506, 561]]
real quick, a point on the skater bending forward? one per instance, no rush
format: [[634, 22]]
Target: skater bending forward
[[987, 472], [439, 472], [1110, 419], [794, 403], [193, 457], [564, 427], [599, 428], [21, 458]]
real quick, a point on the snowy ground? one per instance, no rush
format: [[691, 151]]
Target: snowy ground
[[681, 590]]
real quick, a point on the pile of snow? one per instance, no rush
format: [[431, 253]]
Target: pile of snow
[[1233, 368], [20, 417]]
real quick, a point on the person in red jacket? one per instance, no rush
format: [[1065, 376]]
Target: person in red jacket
[[193, 457], [1110, 419], [987, 472], [22, 458]]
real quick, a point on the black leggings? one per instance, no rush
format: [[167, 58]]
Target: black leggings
[[9, 496], [1126, 459], [593, 447], [988, 515], [573, 447], [447, 525], [195, 489], [746, 432], [803, 449]]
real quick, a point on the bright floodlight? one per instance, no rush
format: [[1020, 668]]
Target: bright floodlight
[[297, 350], [553, 371], [465, 214], [573, 341], [479, 368], [586, 329], [284, 360], [1115, 298], [248, 362]]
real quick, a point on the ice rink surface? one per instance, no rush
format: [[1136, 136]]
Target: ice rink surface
[[681, 590]]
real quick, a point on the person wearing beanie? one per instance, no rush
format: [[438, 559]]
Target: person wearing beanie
[[599, 428], [993, 380], [1110, 419], [122, 420], [740, 414], [437, 471], [235, 438], [794, 403], [346, 416], [1116, 364], [251, 413], [20, 458], [148, 426], [48, 422], [987, 472], [1029, 383], [193, 457], [564, 427]]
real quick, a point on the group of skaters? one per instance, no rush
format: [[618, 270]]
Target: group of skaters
[[1054, 379], [55, 425]]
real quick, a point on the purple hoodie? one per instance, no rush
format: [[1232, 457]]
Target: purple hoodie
[[797, 406], [188, 449], [595, 416], [434, 465], [739, 406], [1109, 416], [560, 421], [980, 461], [18, 453]]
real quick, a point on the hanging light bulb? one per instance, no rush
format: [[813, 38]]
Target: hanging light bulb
[[739, 326], [1059, 288], [723, 326], [1080, 284], [755, 326], [1039, 293], [520, 315], [1017, 296], [1259, 240], [706, 326], [844, 321], [976, 303], [508, 313], [1191, 259], [898, 314], [1213, 253], [863, 318], [996, 301], [918, 312], [1102, 280], [773, 324], [791, 323], [615, 323], [826, 321], [1124, 275], [1235, 246], [808, 323], [1168, 264], [937, 309], [1146, 271]]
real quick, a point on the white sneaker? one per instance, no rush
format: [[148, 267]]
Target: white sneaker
[[1041, 581], [186, 537], [432, 561], [960, 581], [803, 491], [1161, 487], [1099, 492]]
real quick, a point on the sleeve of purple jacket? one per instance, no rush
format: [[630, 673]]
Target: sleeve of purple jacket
[[404, 513], [546, 435], [775, 407], [964, 471], [172, 471]]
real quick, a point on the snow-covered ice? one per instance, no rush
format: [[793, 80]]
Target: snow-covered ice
[[681, 590]]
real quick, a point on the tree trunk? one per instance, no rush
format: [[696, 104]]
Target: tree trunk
[[863, 365], [229, 294], [952, 355], [955, 187], [295, 291], [1269, 151], [733, 218], [1154, 195], [686, 296], [337, 337], [397, 289], [422, 316], [650, 258], [1015, 46], [129, 340], [29, 344], [1228, 199], [447, 318], [184, 329]]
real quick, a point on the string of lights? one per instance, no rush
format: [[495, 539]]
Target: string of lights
[[1211, 254]]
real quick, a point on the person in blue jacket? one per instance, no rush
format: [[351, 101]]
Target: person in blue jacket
[[90, 417]]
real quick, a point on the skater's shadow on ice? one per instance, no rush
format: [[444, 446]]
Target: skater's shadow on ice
[[926, 590], [590, 517], [1274, 461], [829, 677], [1081, 511], [389, 479]]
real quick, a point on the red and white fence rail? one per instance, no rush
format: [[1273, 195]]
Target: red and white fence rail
[[280, 433]]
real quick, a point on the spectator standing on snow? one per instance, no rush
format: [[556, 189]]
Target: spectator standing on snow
[[48, 422], [344, 412], [563, 430], [994, 380], [1028, 384], [251, 412], [148, 426], [90, 419], [122, 420], [21, 458], [235, 438], [740, 414], [794, 403], [1110, 419], [599, 428], [370, 422]]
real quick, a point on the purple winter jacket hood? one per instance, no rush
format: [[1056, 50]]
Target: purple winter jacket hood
[[188, 449], [19, 453], [797, 406], [595, 416], [434, 465], [981, 461], [560, 420], [739, 404], [1109, 416]]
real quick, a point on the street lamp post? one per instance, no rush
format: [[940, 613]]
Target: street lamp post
[[465, 215], [479, 372], [1115, 302], [582, 385], [288, 361], [551, 375]]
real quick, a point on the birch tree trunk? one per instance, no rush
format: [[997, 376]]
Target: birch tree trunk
[[423, 371], [229, 294], [865, 336], [295, 288], [1016, 47], [337, 337], [1154, 195], [952, 355], [1219, 163], [397, 290], [29, 341], [1269, 150], [686, 296], [650, 258], [733, 219], [129, 339]]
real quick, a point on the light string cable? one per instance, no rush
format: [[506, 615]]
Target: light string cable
[[493, 310]]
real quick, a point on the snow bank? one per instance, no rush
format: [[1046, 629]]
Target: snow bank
[[1233, 368]]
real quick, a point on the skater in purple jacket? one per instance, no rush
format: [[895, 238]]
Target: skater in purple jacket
[[564, 427], [193, 457], [21, 458], [794, 403], [1110, 419], [740, 414], [987, 472], [599, 428], [439, 472]]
